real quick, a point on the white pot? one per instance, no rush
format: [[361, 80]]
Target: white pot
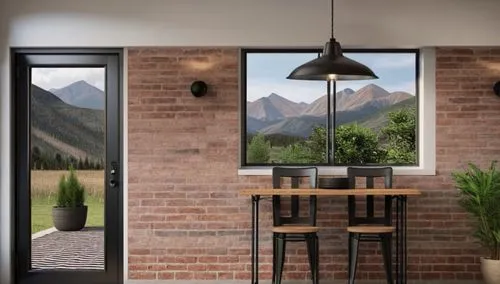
[[491, 270]]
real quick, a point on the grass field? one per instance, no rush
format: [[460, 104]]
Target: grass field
[[43, 197]]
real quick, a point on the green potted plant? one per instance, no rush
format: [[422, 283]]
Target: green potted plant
[[70, 212], [479, 192]]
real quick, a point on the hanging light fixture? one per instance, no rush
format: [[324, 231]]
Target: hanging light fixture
[[332, 65]]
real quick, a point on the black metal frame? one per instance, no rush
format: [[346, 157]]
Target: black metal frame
[[280, 239], [401, 239], [330, 89], [22, 62], [385, 239]]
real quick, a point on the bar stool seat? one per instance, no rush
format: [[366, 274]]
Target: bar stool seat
[[371, 229], [291, 229]]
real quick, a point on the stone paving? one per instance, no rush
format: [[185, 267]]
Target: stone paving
[[69, 250]]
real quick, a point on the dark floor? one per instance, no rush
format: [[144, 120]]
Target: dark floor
[[69, 250]]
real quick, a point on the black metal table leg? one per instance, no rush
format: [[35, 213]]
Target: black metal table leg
[[255, 239], [405, 248], [398, 249], [401, 246]]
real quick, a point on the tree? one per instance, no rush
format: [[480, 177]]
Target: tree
[[35, 158], [295, 154], [357, 145], [80, 163], [312, 150], [400, 134], [58, 162], [86, 164], [316, 145], [259, 149]]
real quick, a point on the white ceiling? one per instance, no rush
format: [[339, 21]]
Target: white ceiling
[[359, 23]]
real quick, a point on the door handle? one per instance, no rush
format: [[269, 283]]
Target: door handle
[[113, 174]]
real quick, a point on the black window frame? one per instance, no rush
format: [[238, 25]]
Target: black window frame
[[331, 89]]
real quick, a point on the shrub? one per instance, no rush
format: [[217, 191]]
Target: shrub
[[400, 134], [259, 149], [71, 192], [479, 192], [357, 145]]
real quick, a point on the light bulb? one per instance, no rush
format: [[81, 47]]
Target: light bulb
[[332, 76]]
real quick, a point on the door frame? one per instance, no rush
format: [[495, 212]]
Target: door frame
[[17, 154]]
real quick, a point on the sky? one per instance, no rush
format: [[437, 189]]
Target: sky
[[48, 78], [267, 72]]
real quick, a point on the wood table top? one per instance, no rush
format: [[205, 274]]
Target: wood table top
[[331, 192]]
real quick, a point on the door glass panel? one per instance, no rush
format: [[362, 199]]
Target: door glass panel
[[67, 168]]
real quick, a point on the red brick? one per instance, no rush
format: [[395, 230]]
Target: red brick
[[205, 275], [183, 158], [146, 275], [184, 275], [166, 275], [225, 275]]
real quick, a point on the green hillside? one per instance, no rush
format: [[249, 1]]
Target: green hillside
[[57, 127], [378, 120]]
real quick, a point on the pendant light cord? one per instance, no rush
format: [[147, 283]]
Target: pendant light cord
[[332, 17]]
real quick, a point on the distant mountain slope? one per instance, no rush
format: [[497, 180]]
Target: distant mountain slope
[[378, 120], [81, 94], [57, 126], [264, 109], [286, 107], [317, 108], [254, 124], [294, 126], [57, 145], [343, 98], [367, 94], [274, 107], [276, 115]]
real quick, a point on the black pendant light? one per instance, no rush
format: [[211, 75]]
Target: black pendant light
[[332, 65]]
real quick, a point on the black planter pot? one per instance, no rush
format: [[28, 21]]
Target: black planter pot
[[69, 218]]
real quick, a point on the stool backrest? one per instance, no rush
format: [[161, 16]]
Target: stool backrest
[[370, 173], [295, 174]]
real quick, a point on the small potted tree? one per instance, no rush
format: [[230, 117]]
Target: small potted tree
[[479, 192], [70, 212]]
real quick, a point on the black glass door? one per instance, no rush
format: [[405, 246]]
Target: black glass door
[[68, 184]]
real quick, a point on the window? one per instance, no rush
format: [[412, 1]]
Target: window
[[367, 122]]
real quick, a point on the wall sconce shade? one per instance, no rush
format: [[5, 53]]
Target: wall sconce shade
[[199, 88], [496, 88]]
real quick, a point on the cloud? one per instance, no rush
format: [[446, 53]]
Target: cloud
[[390, 63], [48, 78], [385, 61]]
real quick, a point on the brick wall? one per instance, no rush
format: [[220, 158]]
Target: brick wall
[[186, 220]]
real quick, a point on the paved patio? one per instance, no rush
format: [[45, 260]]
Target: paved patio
[[69, 250]]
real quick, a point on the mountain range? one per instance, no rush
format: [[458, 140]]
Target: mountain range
[[275, 114], [81, 94], [59, 127]]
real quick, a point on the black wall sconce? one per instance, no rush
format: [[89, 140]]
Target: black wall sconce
[[199, 88], [496, 88]]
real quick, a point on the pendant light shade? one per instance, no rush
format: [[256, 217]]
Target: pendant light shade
[[332, 65]]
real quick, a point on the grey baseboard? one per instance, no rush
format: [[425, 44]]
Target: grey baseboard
[[292, 282]]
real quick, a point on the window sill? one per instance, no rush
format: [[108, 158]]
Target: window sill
[[341, 171]]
